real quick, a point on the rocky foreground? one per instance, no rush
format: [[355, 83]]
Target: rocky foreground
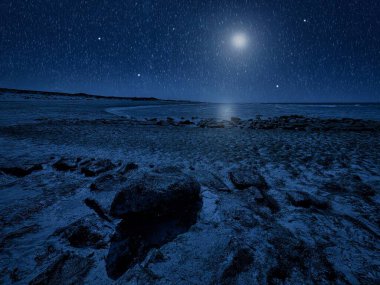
[[289, 200], [154, 226]]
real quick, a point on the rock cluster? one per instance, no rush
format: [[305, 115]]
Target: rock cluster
[[291, 122]]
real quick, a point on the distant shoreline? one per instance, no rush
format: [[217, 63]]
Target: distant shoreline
[[135, 98]]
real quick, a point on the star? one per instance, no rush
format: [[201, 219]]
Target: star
[[277, 86], [99, 38], [138, 75], [304, 20]]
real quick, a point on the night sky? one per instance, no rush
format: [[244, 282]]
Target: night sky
[[223, 50]]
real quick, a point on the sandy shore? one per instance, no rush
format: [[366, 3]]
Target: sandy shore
[[277, 206]]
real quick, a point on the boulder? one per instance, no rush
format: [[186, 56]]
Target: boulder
[[156, 194], [156, 207]]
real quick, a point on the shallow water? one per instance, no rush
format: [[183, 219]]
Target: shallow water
[[247, 111]]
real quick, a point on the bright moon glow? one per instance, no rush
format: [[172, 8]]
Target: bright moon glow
[[239, 40]]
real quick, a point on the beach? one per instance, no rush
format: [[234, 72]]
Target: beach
[[284, 200]]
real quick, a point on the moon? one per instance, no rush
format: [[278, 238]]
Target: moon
[[239, 40]]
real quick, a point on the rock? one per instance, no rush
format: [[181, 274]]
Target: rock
[[19, 171], [156, 208], [304, 200], [66, 164], [243, 179], [95, 168], [156, 194], [83, 233], [69, 268]]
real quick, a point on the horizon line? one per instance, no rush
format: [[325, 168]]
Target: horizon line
[[152, 98]]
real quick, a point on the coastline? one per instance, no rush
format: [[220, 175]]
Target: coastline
[[283, 196]]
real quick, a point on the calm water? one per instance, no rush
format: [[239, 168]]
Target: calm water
[[247, 111]]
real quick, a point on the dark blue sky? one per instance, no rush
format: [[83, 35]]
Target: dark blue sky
[[302, 50]]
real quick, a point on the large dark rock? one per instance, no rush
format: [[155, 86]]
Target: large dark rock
[[243, 179], [156, 194], [67, 269], [156, 208]]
